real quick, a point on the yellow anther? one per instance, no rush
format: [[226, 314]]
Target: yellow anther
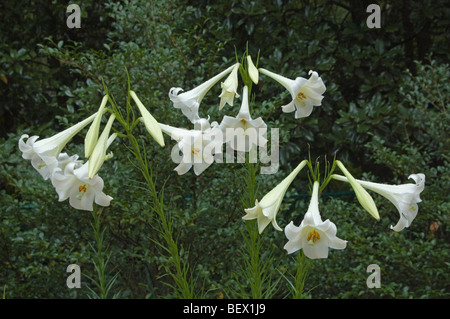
[[195, 150], [313, 236], [82, 188], [300, 97]]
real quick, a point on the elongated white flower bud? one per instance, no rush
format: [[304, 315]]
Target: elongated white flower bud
[[362, 195], [92, 135], [150, 123], [252, 70], [99, 153]]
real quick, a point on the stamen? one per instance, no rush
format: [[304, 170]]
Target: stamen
[[195, 150], [300, 97], [313, 236], [82, 189]]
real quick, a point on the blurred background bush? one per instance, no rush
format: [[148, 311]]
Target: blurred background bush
[[385, 114]]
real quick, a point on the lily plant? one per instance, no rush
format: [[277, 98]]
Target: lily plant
[[196, 149]]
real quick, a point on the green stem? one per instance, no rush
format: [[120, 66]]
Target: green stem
[[184, 286], [183, 282], [101, 259], [257, 268], [300, 276], [252, 240]]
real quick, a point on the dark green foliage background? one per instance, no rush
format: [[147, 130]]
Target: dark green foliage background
[[385, 113]]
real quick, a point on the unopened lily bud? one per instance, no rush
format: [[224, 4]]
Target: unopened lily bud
[[252, 70], [362, 195], [99, 153], [150, 123], [92, 135]]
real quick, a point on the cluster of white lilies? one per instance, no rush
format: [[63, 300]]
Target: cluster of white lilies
[[80, 183]]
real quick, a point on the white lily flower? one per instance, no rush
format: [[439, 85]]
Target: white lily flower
[[198, 146], [71, 180], [189, 101], [64, 159], [92, 135], [266, 210], [150, 123], [243, 127], [362, 195], [252, 70], [305, 93], [44, 153], [313, 235], [404, 197], [229, 88], [99, 153], [74, 183]]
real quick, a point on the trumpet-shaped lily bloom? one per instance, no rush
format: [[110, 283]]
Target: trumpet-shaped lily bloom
[[229, 88], [266, 210], [44, 153], [74, 183], [404, 197], [71, 180], [150, 123], [362, 195], [189, 101], [313, 235], [243, 127], [305, 93], [64, 159], [198, 146]]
